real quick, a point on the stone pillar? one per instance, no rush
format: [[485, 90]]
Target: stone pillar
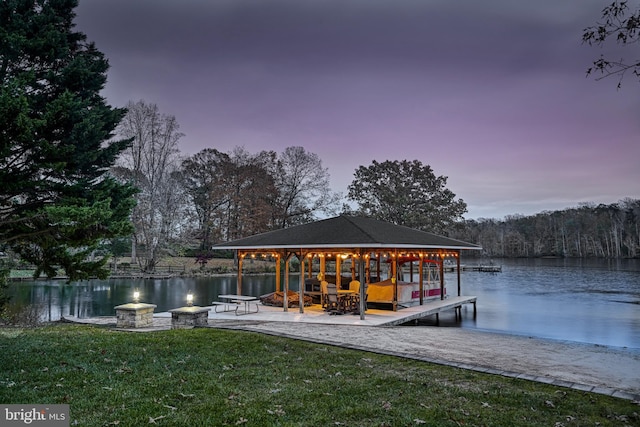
[[134, 315], [189, 317]]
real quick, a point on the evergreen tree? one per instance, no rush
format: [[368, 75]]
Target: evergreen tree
[[57, 201]]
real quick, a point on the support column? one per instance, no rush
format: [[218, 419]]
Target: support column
[[441, 277], [285, 297], [239, 283], [421, 278], [278, 272], [363, 284], [301, 283], [338, 271], [394, 280], [458, 269]]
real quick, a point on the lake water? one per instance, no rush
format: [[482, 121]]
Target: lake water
[[590, 301]]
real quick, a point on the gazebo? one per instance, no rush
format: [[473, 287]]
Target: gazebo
[[348, 237]]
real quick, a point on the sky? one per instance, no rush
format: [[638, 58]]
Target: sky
[[491, 94]]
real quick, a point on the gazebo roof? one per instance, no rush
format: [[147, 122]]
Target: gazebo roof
[[347, 232]]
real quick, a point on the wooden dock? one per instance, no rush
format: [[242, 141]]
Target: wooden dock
[[430, 308], [489, 268]]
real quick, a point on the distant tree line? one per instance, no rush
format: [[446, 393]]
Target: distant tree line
[[589, 230]]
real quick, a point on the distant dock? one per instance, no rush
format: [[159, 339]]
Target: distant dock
[[488, 268]]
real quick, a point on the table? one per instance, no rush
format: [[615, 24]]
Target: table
[[238, 301]]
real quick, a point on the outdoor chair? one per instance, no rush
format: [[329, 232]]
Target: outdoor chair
[[353, 304], [334, 304], [354, 286], [323, 293]]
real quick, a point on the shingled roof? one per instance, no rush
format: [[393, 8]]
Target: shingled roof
[[347, 232]]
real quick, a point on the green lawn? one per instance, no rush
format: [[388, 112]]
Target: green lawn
[[210, 377]]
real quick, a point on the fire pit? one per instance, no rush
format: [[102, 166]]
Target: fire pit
[[276, 299]]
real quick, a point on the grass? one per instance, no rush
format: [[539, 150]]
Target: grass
[[210, 377]]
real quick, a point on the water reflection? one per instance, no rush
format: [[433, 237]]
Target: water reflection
[[592, 301]]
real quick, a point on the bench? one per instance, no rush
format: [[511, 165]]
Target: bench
[[236, 301], [225, 306]]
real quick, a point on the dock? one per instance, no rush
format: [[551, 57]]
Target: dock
[[431, 308], [488, 268]]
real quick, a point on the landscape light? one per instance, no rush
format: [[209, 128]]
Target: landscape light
[[189, 299], [136, 296]]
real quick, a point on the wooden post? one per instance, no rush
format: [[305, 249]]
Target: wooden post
[[278, 272], [338, 271], [239, 282], [301, 282], [458, 268], [421, 278], [285, 298], [394, 279], [363, 284], [441, 277]]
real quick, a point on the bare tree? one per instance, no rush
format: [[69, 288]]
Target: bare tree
[[250, 185], [620, 24], [151, 164], [303, 184], [204, 180], [233, 195]]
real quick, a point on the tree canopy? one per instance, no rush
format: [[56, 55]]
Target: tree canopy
[[406, 193], [619, 24], [57, 202]]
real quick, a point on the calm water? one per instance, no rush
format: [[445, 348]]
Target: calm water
[[592, 301]]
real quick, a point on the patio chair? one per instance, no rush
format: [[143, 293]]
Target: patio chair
[[323, 293], [334, 304], [354, 286], [353, 300]]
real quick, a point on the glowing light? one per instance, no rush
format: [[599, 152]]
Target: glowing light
[[136, 296], [189, 299]]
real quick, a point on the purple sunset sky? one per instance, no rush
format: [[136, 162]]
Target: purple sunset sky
[[491, 94]]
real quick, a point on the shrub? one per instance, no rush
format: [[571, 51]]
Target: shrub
[[21, 315]]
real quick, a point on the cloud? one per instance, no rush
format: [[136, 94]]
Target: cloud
[[491, 94]]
